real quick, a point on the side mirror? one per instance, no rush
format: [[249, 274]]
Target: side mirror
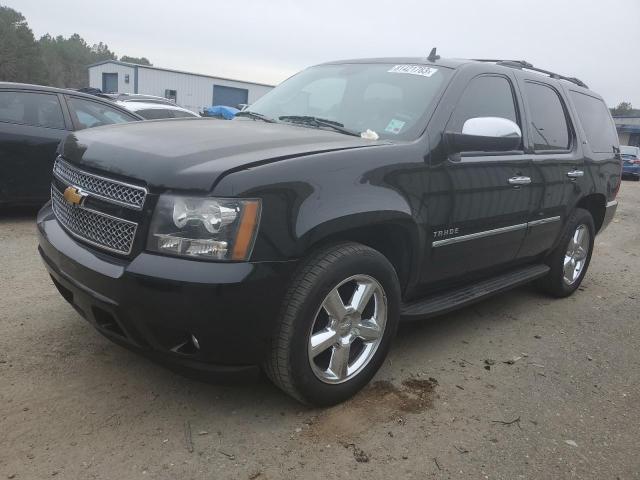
[[485, 134]]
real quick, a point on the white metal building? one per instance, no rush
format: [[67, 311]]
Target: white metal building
[[189, 90]]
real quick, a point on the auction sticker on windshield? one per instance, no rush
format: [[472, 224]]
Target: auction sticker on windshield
[[422, 70], [394, 126]]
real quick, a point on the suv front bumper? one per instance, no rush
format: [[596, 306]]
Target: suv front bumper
[[205, 315]]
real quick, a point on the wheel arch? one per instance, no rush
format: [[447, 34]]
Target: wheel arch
[[396, 237], [594, 203]]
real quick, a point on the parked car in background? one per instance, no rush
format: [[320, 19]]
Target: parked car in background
[[354, 195], [136, 97], [631, 162], [156, 111], [33, 120]]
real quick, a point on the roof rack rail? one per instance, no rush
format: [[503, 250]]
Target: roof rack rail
[[522, 64]]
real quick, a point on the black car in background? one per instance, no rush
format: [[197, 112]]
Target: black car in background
[[33, 121]]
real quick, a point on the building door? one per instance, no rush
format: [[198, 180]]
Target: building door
[[109, 82], [229, 96]]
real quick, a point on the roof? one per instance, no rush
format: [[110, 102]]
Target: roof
[[136, 106], [456, 63], [45, 88], [134, 65], [441, 62]]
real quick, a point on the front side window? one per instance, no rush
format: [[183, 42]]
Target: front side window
[[596, 121], [391, 100], [485, 96], [548, 121], [93, 114], [30, 108]]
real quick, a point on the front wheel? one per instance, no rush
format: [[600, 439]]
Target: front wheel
[[570, 259], [336, 326]]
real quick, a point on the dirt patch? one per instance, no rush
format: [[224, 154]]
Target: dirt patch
[[381, 402]]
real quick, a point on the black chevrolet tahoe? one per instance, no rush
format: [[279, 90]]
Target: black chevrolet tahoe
[[354, 196]]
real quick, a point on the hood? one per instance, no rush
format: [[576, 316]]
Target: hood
[[192, 154]]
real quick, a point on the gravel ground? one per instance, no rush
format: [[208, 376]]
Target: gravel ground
[[518, 386]]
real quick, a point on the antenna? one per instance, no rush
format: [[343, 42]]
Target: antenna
[[433, 56]]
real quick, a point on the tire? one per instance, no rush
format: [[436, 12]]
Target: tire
[[555, 282], [298, 369]]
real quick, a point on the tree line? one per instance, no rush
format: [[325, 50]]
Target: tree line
[[624, 109], [55, 61]]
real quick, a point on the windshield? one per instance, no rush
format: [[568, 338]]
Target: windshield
[[391, 100]]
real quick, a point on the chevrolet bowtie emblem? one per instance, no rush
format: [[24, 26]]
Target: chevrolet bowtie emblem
[[74, 196]]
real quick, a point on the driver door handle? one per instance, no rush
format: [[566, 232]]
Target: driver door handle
[[519, 180], [575, 174]]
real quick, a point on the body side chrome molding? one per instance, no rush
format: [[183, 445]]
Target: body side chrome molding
[[473, 236], [496, 231], [542, 221]]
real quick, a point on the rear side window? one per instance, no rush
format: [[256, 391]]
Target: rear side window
[[94, 114], [38, 109], [155, 113], [485, 96], [181, 114], [548, 121], [596, 121]]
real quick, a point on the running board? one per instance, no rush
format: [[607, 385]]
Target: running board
[[462, 296]]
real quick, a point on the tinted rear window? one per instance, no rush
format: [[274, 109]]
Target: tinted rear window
[[596, 122], [40, 109], [548, 122]]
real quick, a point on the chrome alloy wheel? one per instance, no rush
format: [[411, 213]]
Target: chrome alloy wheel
[[576, 256], [346, 334]]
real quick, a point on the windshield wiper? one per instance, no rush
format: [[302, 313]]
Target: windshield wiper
[[255, 116], [319, 122]]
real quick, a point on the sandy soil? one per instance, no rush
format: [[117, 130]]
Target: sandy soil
[[445, 404]]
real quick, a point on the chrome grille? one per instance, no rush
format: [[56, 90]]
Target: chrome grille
[[99, 229], [113, 191]]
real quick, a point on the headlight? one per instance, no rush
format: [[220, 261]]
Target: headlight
[[210, 228]]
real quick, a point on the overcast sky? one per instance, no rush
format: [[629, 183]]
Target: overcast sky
[[597, 41]]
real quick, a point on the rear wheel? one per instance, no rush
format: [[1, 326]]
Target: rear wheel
[[570, 259], [336, 326]]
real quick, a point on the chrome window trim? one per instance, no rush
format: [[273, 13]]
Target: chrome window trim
[[473, 236], [99, 177], [543, 221], [102, 214]]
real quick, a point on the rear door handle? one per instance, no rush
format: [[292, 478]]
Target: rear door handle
[[575, 174], [519, 180]]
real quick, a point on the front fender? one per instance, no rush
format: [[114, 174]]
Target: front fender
[[307, 200]]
